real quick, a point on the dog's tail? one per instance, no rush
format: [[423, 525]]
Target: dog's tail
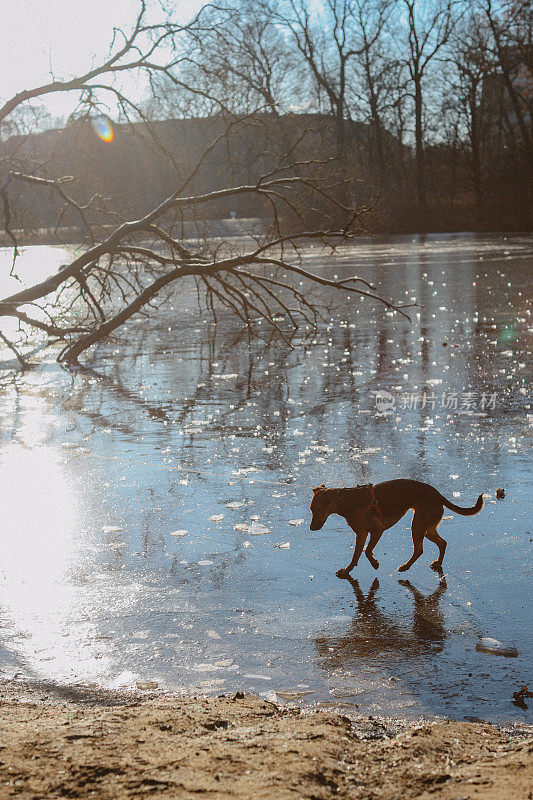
[[465, 512]]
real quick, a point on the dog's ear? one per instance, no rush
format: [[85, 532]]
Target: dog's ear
[[318, 488]]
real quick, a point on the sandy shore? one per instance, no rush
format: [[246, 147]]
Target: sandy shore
[[74, 743]]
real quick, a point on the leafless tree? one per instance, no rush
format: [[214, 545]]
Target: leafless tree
[[244, 60], [427, 29], [240, 64], [490, 93], [328, 40], [511, 47], [471, 67], [130, 267], [369, 18]]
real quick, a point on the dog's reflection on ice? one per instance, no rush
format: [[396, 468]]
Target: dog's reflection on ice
[[374, 632]]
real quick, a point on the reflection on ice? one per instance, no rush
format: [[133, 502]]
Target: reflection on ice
[[128, 553], [374, 632]]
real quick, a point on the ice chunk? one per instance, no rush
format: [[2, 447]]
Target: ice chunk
[[240, 527], [125, 678], [294, 694], [235, 504], [205, 562], [258, 529], [284, 545], [496, 648], [295, 521], [217, 518], [179, 533], [111, 529]]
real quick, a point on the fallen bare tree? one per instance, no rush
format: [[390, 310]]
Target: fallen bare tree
[[129, 270], [130, 266]]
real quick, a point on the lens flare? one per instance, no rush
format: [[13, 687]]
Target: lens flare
[[103, 128], [507, 334]]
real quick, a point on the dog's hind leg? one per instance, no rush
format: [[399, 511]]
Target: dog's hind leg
[[434, 537], [375, 536], [418, 531], [360, 538]]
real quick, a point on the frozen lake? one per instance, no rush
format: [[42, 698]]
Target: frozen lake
[[122, 485]]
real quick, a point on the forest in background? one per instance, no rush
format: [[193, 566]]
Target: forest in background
[[426, 108]]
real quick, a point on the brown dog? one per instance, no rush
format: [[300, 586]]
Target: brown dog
[[371, 510]]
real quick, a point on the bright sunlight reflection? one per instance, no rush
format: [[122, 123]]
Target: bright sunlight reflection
[[39, 547]]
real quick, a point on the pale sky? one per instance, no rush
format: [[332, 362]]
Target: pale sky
[[37, 35]]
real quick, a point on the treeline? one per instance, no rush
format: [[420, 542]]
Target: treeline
[[422, 111], [148, 160], [444, 86]]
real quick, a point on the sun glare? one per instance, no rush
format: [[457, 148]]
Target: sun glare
[[39, 554]]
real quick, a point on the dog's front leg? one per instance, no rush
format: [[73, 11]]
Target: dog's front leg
[[360, 539]]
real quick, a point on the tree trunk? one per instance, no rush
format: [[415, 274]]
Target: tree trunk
[[477, 179], [340, 131], [419, 148], [341, 143], [377, 134]]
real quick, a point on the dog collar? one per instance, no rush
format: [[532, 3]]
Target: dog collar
[[373, 504]]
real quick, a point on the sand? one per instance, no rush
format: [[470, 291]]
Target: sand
[[70, 743]]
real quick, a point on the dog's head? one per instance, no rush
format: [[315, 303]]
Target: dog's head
[[321, 507]]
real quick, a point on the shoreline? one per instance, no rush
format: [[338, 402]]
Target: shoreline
[[87, 742], [45, 692], [233, 229]]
